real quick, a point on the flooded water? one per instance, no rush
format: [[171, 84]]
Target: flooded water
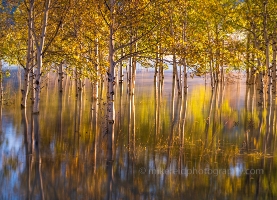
[[216, 144]]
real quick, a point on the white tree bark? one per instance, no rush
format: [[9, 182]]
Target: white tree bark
[[39, 50], [95, 84], [1, 83], [111, 82], [25, 88], [274, 49], [60, 79]]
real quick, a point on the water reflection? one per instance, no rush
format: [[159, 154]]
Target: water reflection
[[160, 137]]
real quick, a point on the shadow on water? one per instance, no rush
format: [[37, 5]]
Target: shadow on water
[[205, 144]]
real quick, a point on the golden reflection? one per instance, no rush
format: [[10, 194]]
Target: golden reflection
[[160, 137]]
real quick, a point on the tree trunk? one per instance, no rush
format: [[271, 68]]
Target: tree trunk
[[248, 74], [175, 73], [76, 82], [37, 86], [274, 49], [185, 78], [95, 84], [130, 77], [39, 49], [60, 80], [32, 80], [266, 72], [156, 65], [111, 79], [121, 76], [133, 75], [25, 89], [1, 83]]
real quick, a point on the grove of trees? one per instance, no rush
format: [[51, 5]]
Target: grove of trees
[[95, 40]]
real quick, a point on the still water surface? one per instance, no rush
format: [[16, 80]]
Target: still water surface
[[216, 144]]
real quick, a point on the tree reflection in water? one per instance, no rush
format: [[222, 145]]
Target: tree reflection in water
[[158, 137]]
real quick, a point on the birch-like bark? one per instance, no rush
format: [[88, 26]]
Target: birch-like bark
[[32, 75], [1, 83], [266, 72], [121, 75], [1, 131], [39, 49], [133, 75], [274, 49], [175, 73], [217, 56], [95, 84], [156, 66], [111, 82], [248, 74], [185, 75], [130, 77], [76, 81], [60, 79], [25, 88], [185, 78]]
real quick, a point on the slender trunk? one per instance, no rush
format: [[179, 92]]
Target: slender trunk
[[266, 72], [60, 80], [39, 49], [157, 111], [110, 96], [185, 78], [156, 65], [217, 55], [1, 83], [32, 75], [211, 75], [37, 86], [25, 88], [248, 60], [161, 76], [133, 75], [28, 67], [185, 75], [60, 110], [121, 76], [32, 83], [222, 64], [274, 49], [260, 78], [76, 82], [183, 123], [130, 71], [211, 63], [96, 68]]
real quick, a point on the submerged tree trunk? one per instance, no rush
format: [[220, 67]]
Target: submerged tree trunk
[[274, 49], [60, 79], [121, 76], [32, 82], [39, 49], [266, 72], [156, 65], [132, 68], [175, 73], [1, 83], [1, 130], [111, 79], [185, 78], [248, 69], [37, 86], [28, 67], [133, 75], [95, 83]]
